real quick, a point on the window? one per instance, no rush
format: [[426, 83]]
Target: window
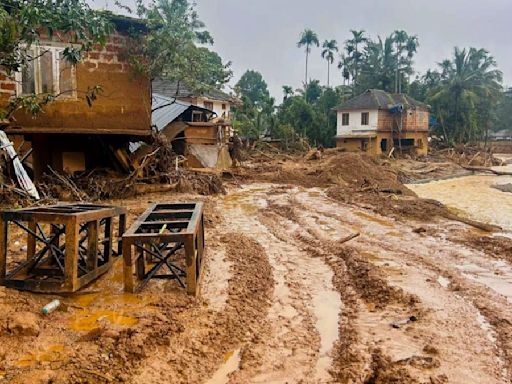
[[208, 105], [224, 106], [365, 117], [197, 116], [47, 72], [345, 119]]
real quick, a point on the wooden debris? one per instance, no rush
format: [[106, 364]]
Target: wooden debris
[[487, 169], [348, 238], [473, 223]]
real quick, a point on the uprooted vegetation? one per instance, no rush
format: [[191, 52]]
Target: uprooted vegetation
[[157, 170]]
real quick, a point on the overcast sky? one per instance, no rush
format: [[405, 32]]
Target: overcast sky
[[263, 34]]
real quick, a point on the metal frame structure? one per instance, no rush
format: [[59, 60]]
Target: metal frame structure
[[68, 246], [157, 236]]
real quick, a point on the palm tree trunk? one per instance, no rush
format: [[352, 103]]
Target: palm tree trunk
[[307, 57], [328, 73]]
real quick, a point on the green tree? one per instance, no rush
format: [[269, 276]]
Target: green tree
[[405, 48], [354, 53], [308, 38], [378, 65], [172, 47], [467, 95], [504, 112], [344, 67], [256, 116], [313, 91], [22, 23], [253, 88], [330, 47], [287, 92]]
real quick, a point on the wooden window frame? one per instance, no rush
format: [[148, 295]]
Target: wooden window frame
[[56, 68]]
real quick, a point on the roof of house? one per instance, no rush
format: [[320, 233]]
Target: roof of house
[[181, 90], [378, 99], [165, 111]]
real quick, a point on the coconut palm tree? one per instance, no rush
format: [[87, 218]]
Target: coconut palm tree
[[354, 52], [308, 38], [287, 91], [344, 67], [469, 87], [403, 44], [330, 47]]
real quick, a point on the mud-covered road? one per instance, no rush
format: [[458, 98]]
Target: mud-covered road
[[333, 306], [284, 300]]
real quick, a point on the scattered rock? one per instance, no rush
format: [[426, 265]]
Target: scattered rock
[[419, 230], [23, 324]]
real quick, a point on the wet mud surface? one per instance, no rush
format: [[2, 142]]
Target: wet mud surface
[[284, 300]]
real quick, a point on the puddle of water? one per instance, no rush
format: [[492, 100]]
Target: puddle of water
[[498, 279], [327, 308], [245, 201], [96, 307], [231, 364], [53, 354], [487, 327], [87, 320]]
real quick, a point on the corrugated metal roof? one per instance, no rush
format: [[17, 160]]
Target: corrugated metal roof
[[166, 110]]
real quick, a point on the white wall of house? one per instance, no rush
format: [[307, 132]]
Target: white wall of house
[[354, 125], [217, 106]]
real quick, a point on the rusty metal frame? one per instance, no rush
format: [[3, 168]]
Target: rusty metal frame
[[156, 237], [66, 267]]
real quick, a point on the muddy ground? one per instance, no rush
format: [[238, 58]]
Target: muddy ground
[[414, 298]]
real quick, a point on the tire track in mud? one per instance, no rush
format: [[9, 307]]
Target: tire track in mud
[[209, 337], [355, 359], [418, 259], [303, 315], [427, 359]]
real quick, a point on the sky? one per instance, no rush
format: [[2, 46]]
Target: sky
[[262, 34]]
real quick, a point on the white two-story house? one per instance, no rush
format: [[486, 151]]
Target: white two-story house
[[377, 121]]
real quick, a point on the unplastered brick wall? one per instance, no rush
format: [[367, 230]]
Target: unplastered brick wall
[[109, 58], [7, 86], [412, 120]]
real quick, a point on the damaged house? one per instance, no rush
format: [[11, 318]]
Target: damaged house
[[198, 125], [72, 136], [377, 121], [192, 131]]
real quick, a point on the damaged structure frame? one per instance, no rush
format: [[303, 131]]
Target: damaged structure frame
[[155, 239], [68, 246]]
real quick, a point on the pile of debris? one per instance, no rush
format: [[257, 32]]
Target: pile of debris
[[156, 169], [472, 155]]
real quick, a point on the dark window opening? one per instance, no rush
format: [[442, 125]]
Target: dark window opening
[[384, 145], [365, 118], [345, 119], [208, 105], [404, 143]]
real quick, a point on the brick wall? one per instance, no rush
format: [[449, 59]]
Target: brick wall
[[412, 120], [123, 107]]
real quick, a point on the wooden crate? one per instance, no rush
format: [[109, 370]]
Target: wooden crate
[[157, 236], [67, 246]]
